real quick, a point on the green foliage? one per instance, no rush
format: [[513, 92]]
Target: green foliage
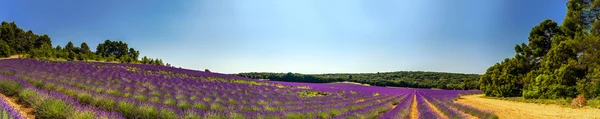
[[128, 109], [19, 40], [192, 115], [84, 98], [595, 103], [53, 109], [4, 49], [10, 87], [14, 40], [116, 50], [558, 61], [82, 115], [166, 113], [417, 79], [308, 93], [29, 96], [146, 60], [236, 116], [44, 51], [559, 101]]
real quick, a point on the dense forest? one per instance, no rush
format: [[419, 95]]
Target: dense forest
[[16, 41], [558, 61], [415, 79]]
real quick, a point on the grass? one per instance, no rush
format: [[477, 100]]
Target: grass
[[563, 101], [595, 103]]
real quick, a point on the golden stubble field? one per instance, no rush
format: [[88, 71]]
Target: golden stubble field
[[519, 110]]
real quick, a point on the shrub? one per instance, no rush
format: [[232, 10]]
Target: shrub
[[127, 109], [82, 115], [169, 101], [595, 103], [167, 113], [53, 109], [579, 101], [184, 105], [29, 96], [85, 98], [154, 99], [323, 114], [395, 102], [10, 87], [216, 106], [147, 111], [236, 116], [200, 105], [139, 97], [4, 49], [192, 115]]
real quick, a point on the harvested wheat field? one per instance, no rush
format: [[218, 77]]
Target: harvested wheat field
[[519, 110]]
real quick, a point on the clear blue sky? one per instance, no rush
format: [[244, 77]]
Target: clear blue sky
[[305, 36]]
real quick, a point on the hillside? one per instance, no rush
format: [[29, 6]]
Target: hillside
[[413, 79]]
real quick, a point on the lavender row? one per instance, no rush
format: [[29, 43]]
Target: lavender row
[[445, 109], [66, 78], [48, 103], [9, 112], [146, 91], [402, 110], [425, 111]]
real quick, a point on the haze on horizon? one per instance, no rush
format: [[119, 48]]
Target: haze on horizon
[[304, 36]]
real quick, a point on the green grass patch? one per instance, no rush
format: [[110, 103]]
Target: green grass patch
[[307, 93], [563, 101], [595, 103]]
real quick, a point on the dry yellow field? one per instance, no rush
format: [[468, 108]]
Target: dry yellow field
[[519, 110]]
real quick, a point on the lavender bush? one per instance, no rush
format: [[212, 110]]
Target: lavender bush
[[8, 112]]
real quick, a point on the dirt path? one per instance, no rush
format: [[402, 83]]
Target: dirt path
[[414, 112], [28, 112], [519, 110]]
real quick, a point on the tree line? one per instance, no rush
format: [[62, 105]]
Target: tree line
[[558, 61], [414, 79], [14, 40]]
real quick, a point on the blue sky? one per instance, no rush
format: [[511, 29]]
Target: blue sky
[[305, 36]]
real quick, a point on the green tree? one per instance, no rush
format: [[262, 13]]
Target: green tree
[[133, 54], [85, 48], [4, 49], [70, 46], [503, 79], [145, 60], [541, 37], [44, 39], [45, 51]]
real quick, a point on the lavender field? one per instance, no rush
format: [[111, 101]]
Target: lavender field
[[82, 90], [7, 111]]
